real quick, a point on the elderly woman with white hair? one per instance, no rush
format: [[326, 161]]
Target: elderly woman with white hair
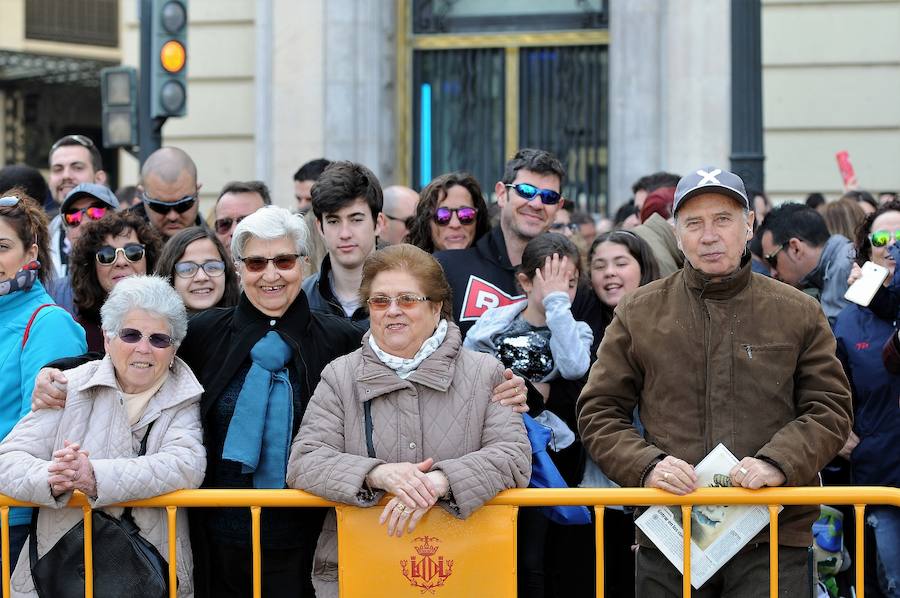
[[259, 362], [129, 430]]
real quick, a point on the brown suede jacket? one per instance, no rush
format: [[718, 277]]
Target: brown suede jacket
[[746, 361]]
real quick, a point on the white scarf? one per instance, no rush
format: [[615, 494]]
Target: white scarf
[[405, 367]]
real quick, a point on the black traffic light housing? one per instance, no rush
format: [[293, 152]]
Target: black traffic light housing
[[168, 60]]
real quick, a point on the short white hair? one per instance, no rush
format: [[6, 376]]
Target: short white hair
[[147, 293], [270, 223]]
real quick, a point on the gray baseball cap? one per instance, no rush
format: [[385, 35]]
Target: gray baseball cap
[[101, 193], [710, 180]]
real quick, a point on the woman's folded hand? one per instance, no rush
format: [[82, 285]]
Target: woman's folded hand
[[408, 482]]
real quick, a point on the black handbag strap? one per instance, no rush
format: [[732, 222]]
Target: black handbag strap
[[126, 514], [367, 414]]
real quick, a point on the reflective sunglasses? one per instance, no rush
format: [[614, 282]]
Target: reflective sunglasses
[[286, 261], [189, 269], [465, 215], [549, 197], [107, 255], [157, 339], [68, 139], [223, 225], [772, 258], [880, 238], [74, 217], [404, 301], [163, 207], [9, 202]]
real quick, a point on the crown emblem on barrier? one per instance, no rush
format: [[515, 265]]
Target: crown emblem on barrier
[[425, 569]]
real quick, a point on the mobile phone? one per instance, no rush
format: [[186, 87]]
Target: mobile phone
[[862, 291], [847, 173]]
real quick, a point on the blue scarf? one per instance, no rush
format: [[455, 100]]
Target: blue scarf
[[259, 434]]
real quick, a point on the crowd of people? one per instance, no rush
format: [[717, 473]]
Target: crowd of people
[[376, 341]]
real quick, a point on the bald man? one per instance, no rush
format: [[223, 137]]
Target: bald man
[[399, 208], [169, 192]]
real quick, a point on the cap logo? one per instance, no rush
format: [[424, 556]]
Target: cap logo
[[709, 178]]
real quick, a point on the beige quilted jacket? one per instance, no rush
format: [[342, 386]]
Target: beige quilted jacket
[[95, 416], [442, 410]]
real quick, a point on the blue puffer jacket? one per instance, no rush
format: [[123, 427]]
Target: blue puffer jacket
[[53, 334], [876, 413]]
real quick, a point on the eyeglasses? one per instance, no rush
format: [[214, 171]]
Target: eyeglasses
[[561, 226], [223, 225], [157, 339], [189, 269], [407, 222], [286, 261], [74, 217], [880, 238], [404, 301], [9, 202], [465, 215], [772, 258], [549, 197], [68, 139], [107, 255], [163, 207]]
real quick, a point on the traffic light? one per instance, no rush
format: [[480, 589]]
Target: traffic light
[[168, 68], [118, 93]]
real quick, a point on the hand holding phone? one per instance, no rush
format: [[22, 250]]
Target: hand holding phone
[[862, 291]]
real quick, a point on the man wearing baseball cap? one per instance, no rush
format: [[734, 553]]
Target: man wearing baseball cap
[[85, 203], [717, 354]]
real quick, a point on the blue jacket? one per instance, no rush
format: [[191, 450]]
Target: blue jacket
[[53, 334], [876, 414]]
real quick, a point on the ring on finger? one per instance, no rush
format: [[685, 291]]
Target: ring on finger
[[666, 476], [400, 507], [743, 471]]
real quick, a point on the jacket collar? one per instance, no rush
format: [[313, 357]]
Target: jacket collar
[[817, 276], [493, 247], [435, 372], [726, 288], [19, 299], [180, 386], [294, 320]]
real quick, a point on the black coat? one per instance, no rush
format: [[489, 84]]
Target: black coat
[[218, 345]]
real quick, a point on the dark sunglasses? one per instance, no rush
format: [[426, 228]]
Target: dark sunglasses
[[286, 261], [69, 139], [157, 339], [465, 215], [223, 225], [880, 238], [407, 222], [189, 269], [549, 197], [163, 207], [107, 255], [772, 258], [75, 217], [404, 301]]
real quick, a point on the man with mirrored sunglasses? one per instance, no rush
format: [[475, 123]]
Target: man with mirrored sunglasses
[[169, 192], [801, 252], [87, 202], [73, 160]]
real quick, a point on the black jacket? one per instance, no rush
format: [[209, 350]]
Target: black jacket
[[217, 346], [322, 299]]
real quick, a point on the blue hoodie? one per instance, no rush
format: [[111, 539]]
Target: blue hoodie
[[53, 334]]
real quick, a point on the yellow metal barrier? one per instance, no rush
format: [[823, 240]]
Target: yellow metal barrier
[[364, 521]]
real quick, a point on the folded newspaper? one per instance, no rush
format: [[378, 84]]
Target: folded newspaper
[[718, 532]]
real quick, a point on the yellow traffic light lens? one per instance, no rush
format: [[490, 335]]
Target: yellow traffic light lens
[[172, 56]]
